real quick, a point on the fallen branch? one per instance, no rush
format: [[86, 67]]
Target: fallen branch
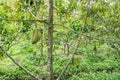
[[28, 72]]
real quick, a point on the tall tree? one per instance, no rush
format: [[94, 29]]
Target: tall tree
[[50, 41]]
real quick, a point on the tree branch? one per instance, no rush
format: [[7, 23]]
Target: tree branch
[[72, 57], [33, 15], [7, 19], [28, 72], [63, 71], [85, 21]]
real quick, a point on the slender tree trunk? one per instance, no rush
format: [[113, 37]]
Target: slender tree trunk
[[64, 48], [50, 41], [68, 49], [41, 43], [71, 60], [95, 49], [67, 45]]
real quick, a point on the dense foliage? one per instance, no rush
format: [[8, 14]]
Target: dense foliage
[[95, 23]]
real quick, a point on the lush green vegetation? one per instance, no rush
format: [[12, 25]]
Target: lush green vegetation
[[89, 30], [89, 66]]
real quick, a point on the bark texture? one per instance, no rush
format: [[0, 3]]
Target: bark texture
[[50, 41]]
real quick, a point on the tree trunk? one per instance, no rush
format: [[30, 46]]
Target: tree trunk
[[41, 43], [67, 45], [50, 41], [68, 49], [64, 48]]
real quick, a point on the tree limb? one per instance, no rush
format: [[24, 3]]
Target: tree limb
[[63, 71], [71, 59], [85, 21], [28, 72], [42, 21], [33, 15]]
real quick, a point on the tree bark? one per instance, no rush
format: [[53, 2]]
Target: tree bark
[[50, 41], [67, 45], [42, 42], [67, 48], [64, 48]]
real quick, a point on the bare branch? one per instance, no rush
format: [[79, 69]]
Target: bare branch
[[85, 21], [79, 38], [42, 21], [33, 15], [28, 72], [69, 61]]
